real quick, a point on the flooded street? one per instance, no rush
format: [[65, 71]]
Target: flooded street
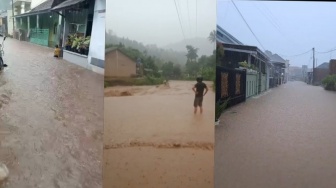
[[51, 120], [153, 138], [285, 138]]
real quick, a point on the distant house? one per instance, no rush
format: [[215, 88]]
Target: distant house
[[320, 73], [118, 64], [278, 72]]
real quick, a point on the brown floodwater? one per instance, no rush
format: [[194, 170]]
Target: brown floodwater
[[51, 120], [152, 137]]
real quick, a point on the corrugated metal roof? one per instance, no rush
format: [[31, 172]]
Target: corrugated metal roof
[[274, 57], [225, 37], [67, 4]]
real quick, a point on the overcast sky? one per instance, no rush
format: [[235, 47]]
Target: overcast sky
[[157, 21], [285, 28]]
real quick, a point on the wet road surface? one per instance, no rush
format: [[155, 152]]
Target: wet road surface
[[154, 139], [283, 139], [51, 120]]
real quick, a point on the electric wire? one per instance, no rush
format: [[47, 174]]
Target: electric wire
[[180, 21], [297, 54], [248, 25]]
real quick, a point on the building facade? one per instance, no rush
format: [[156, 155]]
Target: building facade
[[119, 65]]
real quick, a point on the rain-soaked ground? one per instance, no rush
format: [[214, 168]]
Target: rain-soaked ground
[[51, 120], [153, 138], [283, 139]]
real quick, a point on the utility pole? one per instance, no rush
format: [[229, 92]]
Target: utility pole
[[313, 65], [13, 16]]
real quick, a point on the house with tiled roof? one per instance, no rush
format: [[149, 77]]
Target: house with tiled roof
[[279, 72]]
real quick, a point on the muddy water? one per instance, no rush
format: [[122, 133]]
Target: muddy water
[[285, 138], [153, 139], [51, 120]]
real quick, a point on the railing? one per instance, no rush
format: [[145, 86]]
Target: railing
[[39, 36]]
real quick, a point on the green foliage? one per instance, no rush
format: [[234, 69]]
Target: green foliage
[[220, 107], [147, 50], [212, 36], [244, 64], [192, 53], [329, 82]]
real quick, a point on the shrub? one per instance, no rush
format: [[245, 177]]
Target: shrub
[[329, 82]]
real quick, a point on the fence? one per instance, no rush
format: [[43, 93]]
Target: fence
[[230, 83], [39, 36]]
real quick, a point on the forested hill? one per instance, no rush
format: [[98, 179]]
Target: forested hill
[[175, 52]]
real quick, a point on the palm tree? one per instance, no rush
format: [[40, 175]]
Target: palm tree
[[212, 37]]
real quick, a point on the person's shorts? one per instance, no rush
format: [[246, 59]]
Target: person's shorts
[[198, 101]]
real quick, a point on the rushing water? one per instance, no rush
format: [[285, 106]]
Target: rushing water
[[51, 120], [153, 138]]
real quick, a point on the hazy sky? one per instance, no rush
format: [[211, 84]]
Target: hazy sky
[[157, 22], [285, 28]]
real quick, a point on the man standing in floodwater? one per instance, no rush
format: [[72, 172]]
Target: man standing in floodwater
[[199, 88]]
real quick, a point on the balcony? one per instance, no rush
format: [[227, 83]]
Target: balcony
[[21, 6]]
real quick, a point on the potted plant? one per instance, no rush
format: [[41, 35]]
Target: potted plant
[[219, 109], [75, 44], [244, 65], [86, 45], [68, 43]]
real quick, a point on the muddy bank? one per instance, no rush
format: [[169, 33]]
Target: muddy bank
[[158, 124]]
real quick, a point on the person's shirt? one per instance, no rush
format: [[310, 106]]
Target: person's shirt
[[57, 52], [200, 86]]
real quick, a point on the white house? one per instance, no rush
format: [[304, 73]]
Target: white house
[[95, 59], [96, 56]]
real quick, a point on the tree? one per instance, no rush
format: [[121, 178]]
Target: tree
[[192, 53], [168, 69], [177, 72], [212, 36]]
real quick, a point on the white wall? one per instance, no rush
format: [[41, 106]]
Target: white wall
[[9, 22], [97, 44]]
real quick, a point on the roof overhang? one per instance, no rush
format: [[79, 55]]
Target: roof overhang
[[69, 4], [32, 13]]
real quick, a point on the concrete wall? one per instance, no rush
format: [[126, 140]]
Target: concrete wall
[[96, 55], [10, 22], [320, 74], [75, 58], [119, 65], [251, 85]]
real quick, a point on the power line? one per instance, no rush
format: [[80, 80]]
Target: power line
[[188, 15], [248, 25], [327, 51], [180, 21], [196, 18], [297, 54]]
